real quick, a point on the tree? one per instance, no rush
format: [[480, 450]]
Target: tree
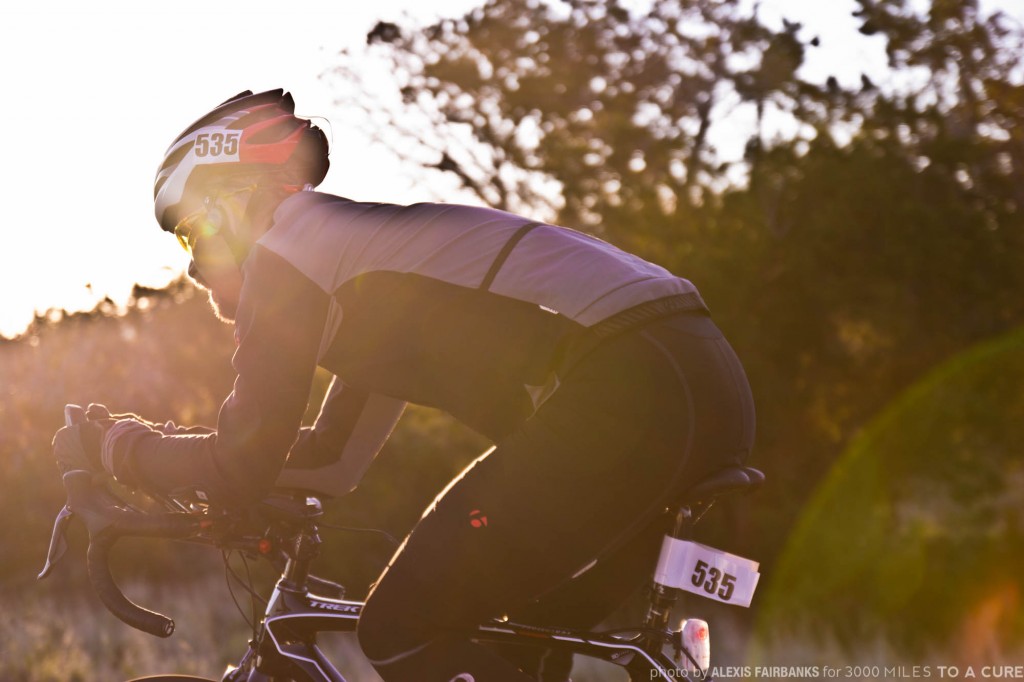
[[616, 107], [879, 236]]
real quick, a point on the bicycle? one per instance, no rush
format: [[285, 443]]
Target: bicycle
[[284, 530]]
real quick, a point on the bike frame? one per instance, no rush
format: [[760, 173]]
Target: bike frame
[[286, 643]]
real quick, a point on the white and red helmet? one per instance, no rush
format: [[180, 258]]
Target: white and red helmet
[[249, 138]]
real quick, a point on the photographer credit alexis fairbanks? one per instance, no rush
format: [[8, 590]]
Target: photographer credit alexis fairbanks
[[865, 672]]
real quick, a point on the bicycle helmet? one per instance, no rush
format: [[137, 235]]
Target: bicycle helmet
[[250, 138]]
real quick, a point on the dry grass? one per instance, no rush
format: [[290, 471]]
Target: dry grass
[[73, 639], [47, 638]]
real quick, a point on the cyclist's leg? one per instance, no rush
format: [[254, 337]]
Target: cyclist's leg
[[586, 601], [501, 535], [723, 433], [591, 469], [589, 599]]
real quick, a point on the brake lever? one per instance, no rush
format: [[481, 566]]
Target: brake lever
[[73, 414], [58, 542], [108, 518]]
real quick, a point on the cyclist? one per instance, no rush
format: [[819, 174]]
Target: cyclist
[[600, 377]]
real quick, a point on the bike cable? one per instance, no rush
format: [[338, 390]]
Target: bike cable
[[375, 531], [229, 573]]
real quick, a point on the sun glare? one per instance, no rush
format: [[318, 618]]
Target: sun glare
[[101, 92]]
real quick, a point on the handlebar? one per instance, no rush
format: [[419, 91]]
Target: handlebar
[[107, 519], [107, 522], [264, 530]]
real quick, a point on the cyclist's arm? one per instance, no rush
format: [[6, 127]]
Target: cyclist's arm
[[169, 428], [279, 324], [349, 431]]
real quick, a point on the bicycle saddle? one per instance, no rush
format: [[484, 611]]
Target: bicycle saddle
[[734, 479]]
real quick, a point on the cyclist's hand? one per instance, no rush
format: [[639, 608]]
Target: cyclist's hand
[[77, 447], [98, 412]]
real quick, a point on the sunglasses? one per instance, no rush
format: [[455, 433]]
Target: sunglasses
[[191, 227], [199, 223]]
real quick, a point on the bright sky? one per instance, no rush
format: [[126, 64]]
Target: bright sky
[[95, 91]]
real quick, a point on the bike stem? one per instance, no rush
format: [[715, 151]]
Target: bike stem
[[300, 556]]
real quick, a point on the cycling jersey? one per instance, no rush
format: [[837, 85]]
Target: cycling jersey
[[470, 310]]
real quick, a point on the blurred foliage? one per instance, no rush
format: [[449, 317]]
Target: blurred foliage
[[918, 530], [874, 233], [165, 357], [168, 357]]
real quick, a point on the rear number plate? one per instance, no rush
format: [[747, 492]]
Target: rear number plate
[[709, 572]]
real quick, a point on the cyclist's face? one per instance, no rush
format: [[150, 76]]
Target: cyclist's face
[[214, 267]]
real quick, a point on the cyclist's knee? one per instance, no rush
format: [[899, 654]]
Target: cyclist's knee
[[372, 634]]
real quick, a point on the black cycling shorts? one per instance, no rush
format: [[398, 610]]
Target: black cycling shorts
[[556, 523]]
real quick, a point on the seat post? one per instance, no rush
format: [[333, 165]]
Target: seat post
[[663, 598], [695, 503]]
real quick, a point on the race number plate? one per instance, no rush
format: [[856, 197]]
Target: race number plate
[[706, 571], [217, 147]]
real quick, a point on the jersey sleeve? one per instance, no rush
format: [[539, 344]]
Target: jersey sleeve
[[280, 321], [331, 457]]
